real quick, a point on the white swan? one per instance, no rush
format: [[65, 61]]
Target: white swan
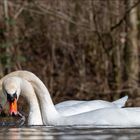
[[49, 114], [71, 107], [21, 86]]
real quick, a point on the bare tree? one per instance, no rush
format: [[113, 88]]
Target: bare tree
[[132, 60], [7, 34]]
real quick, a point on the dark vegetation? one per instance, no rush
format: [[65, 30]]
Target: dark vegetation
[[80, 49]]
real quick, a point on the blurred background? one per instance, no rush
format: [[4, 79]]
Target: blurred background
[[80, 49]]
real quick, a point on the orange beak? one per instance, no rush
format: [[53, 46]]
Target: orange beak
[[13, 107]]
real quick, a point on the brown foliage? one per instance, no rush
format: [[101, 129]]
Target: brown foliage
[[76, 47]]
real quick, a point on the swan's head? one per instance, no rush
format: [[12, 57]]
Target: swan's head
[[11, 88]]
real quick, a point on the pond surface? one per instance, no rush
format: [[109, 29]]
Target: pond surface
[[68, 133]]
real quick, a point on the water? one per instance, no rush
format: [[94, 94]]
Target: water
[[68, 133]]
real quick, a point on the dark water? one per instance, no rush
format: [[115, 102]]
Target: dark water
[[68, 133]]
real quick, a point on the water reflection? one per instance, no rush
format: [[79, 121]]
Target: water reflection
[[64, 133]]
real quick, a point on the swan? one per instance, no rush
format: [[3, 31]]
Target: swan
[[71, 107], [49, 113], [20, 86], [15, 86]]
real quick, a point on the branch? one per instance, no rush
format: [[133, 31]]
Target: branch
[[100, 37], [124, 17], [63, 16], [5, 5], [19, 12], [43, 10]]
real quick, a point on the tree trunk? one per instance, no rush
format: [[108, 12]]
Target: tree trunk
[[7, 35], [132, 61]]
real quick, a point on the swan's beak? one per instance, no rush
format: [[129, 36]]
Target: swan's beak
[[12, 99], [13, 107]]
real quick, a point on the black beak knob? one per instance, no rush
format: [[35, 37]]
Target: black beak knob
[[11, 98]]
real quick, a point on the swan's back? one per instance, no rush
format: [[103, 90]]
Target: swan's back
[[105, 117]]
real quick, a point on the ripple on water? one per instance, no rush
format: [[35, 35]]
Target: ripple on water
[[64, 133]]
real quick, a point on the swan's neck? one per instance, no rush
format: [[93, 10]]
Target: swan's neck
[[27, 91], [49, 113]]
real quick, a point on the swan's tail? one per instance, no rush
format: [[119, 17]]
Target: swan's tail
[[121, 102]]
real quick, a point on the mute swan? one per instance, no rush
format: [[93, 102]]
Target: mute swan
[[71, 107], [23, 87], [14, 86], [49, 113]]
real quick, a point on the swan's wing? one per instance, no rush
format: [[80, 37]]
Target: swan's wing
[[73, 107], [71, 103], [68, 103], [121, 102], [85, 107]]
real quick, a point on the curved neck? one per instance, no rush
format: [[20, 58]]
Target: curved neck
[[27, 91], [48, 111]]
